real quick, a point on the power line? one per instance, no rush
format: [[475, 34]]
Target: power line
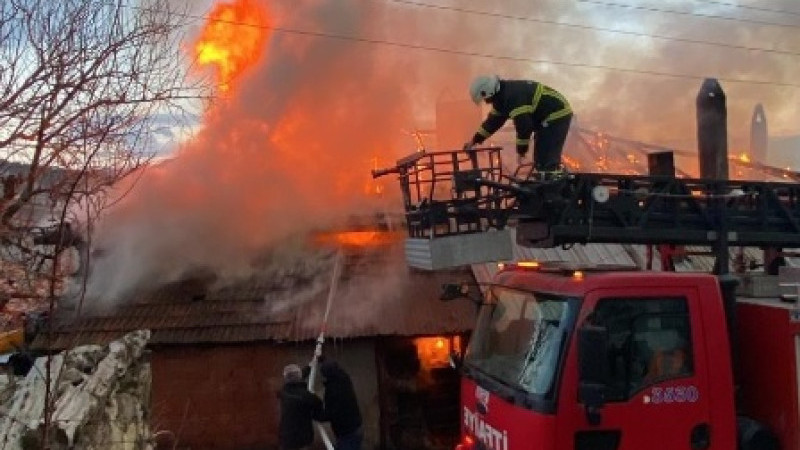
[[450, 51], [750, 7], [594, 28], [686, 13], [520, 59]]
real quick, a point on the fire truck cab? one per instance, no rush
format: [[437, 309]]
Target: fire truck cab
[[625, 360]]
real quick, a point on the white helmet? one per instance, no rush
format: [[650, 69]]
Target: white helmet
[[484, 86]]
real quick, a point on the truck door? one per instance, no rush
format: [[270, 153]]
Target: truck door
[[658, 377]]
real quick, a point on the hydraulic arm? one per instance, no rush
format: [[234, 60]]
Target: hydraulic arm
[[464, 192]]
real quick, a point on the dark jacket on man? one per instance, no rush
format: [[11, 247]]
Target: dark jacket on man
[[529, 104], [341, 405], [298, 408]]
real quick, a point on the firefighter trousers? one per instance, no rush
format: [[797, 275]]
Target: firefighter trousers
[[548, 143]]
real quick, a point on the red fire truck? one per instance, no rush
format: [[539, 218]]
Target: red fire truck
[[602, 358]]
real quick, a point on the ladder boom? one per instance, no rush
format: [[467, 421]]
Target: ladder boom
[[456, 193]]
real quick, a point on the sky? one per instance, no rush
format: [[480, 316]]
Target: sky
[[335, 88]]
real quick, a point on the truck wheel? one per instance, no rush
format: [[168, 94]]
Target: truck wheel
[[755, 436]]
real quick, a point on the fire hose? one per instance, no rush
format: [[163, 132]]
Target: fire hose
[[337, 269]]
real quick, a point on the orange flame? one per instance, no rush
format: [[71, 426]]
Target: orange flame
[[572, 163], [434, 351], [232, 40], [367, 238]]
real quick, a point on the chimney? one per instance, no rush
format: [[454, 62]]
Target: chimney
[[712, 131]]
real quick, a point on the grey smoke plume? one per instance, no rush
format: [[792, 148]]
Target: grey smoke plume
[[340, 81]]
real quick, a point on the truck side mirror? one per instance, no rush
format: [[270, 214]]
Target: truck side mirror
[[452, 291], [593, 370]]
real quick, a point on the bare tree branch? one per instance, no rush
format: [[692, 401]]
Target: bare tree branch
[[81, 82]]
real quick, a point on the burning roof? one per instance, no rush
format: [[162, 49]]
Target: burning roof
[[377, 295]]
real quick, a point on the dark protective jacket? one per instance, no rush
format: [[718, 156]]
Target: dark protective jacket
[[529, 104], [298, 408], [341, 405]]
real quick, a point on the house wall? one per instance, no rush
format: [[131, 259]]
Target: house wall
[[224, 396]]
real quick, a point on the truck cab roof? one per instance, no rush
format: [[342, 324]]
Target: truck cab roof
[[577, 280]]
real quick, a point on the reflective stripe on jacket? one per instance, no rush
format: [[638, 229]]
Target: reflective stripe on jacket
[[531, 105]]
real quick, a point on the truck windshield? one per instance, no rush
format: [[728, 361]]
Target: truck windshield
[[518, 339]]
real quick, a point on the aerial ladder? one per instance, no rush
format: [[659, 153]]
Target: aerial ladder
[[460, 205]]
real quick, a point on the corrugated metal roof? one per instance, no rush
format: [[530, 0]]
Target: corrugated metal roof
[[615, 254], [588, 254], [377, 295], [699, 259], [752, 257]]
